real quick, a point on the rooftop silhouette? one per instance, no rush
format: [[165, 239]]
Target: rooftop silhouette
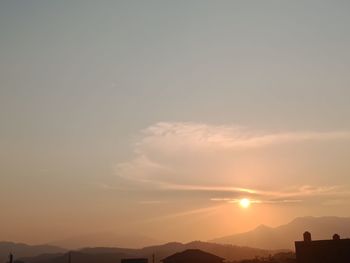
[[134, 260], [193, 255], [336, 250]]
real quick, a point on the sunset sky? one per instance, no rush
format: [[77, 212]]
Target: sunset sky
[[156, 118]]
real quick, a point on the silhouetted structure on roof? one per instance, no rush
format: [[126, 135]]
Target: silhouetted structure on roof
[[335, 250], [191, 256], [134, 260]]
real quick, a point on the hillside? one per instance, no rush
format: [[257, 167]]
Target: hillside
[[24, 250], [283, 237], [106, 239], [109, 255]]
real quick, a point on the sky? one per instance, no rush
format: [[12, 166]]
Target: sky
[[156, 118]]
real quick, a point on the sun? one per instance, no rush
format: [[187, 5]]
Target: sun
[[245, 202]]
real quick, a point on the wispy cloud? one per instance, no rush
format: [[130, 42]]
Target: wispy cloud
[[254, 201], [228, 136], [205, 210], [197, 157]]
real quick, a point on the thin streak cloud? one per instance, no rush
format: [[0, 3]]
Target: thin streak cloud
[[231, 136], [198, 157]]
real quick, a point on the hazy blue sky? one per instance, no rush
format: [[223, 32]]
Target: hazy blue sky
[[137, 115]]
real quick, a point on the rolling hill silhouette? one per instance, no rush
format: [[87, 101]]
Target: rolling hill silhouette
[[105, 239], [23, 250], [283, 237], [109, 255], [235, 247]]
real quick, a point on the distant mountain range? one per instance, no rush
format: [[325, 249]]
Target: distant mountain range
[[114, 255], [106, 239], [266, 240], [283, 237], [23, 250]]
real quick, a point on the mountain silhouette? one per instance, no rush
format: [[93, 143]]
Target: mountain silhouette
[[109, 255], [267, 240], [105, 239], [283, 237], [24, 250]]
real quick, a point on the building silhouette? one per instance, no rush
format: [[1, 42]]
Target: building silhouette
[[10, 258], [134, 260], [335, 250], [193, 255]]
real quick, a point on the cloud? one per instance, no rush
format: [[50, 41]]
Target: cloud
[[254, 201], [217, 160], [198, 135], [191, 212], [291, 195]]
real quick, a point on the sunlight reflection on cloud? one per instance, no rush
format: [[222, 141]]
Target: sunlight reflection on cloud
[[197, 157]]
